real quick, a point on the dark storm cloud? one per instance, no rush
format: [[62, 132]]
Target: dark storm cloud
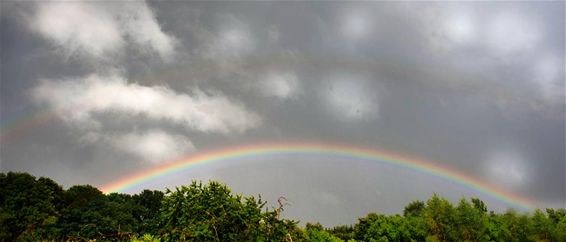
[[473, 86]]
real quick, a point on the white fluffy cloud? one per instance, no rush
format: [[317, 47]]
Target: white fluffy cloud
[[101, 32], [78, 27], [153, 145], [77, 99], [143, 29], [281, 85], [97, 29]]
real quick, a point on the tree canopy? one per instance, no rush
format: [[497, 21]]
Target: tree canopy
[[34, 209]]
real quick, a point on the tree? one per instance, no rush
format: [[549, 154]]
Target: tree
[[344, 232], [479, 205], [376, 227], [146, 210], [316, 233], [89, 215], [471, 221], [211, 213], [515, 226], [79, 195], [415, 208], [558, 219], [25, 204], [40, 210], [542, 226], [439, 215]]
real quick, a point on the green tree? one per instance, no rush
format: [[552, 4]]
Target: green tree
[[25, 204], [414, 208], [40, 210], [80, 195], [211, 213], [471, 221], [91, 215], [145, 210], [440, 218], [558, 218], [316, 233], [344, 232], [542, 227], [516, 227], [377, 227]]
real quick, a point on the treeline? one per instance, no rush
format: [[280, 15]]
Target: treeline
[[41, 210]]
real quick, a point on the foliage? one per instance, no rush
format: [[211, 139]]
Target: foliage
[[343, 232], [315, 232], [40, 210], [26, 204], [211, 213]]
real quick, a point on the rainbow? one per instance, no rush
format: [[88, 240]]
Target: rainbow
[[331, 150], [15, 126]]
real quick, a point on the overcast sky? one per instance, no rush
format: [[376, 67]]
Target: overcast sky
[[93, 92]]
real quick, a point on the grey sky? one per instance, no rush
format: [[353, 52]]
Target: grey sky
[[94, 91]]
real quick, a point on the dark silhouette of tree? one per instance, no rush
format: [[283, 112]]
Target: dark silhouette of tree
[[414, 208], [25, 204]]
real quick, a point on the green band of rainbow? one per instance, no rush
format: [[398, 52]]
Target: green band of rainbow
[[333, 150]]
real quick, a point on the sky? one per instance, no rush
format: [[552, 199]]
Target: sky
[[93, 92]]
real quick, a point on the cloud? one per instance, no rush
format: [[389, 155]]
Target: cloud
[[76, 100], [141, 26], [153, 145], [229, 46], [506, 34], [281, 85], [101, 31], [497, 52], [511, 33], [232, 41], [460, 26], [357, 24], [78, 27], [548, 76], [349, 97], [273, 34], [507, 168]]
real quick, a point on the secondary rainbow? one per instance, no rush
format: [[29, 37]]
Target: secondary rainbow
[[15, 125], [329, 150]]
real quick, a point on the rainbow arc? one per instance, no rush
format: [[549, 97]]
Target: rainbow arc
[[328, 150]]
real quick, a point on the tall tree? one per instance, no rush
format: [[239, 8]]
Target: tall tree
[[440, 217], [25, 204]]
